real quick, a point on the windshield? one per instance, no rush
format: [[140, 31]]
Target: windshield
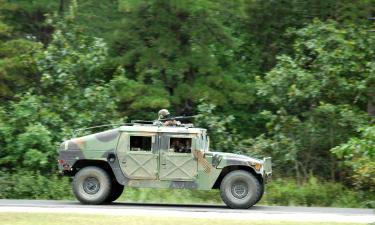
[[205, 140]]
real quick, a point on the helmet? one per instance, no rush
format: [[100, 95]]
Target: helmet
[[163, 113]]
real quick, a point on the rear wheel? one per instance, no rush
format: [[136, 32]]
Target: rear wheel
[[116, 191], [240, 189], [92, 185]]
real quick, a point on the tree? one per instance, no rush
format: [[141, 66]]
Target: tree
[[70, 94], [318, 96], [27, 18], [17, 64], [267, 22], [182, 51]]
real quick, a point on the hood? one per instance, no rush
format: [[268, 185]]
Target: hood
[[234, 157], [102, 141]]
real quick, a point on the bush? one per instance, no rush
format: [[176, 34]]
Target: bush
[[313, 193], [359, 155], [33, 185]]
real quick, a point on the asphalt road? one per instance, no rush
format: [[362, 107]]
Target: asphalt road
[[194, 211]]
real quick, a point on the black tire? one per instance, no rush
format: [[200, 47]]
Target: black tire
[[240, 190], [116, 191], [92, 185], [261, 193]]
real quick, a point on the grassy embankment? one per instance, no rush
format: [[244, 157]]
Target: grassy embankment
[[81, 219]]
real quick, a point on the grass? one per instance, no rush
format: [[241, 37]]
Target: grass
[[176, 196], [82, 219]]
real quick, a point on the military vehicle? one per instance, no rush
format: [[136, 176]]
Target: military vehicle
[[162, 154]]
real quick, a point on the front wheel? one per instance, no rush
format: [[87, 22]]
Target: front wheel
[[92, 185], [240, 189], [116, 191]]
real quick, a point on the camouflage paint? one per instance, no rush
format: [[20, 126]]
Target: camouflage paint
[[157, 168]]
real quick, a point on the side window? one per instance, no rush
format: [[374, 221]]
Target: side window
[[180, 145], [140, 143]]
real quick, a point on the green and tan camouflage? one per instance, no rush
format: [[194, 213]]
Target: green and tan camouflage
[[159, 167]]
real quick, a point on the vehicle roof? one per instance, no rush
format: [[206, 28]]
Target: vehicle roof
[[164, 129]]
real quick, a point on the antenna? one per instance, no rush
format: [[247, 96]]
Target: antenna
[[142, 121], [75, 131]]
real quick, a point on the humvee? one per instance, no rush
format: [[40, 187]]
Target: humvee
[[159, 156]]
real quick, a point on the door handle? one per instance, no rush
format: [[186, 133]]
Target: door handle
[[163, 160]]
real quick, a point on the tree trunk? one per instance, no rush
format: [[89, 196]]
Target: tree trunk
[[61, 7], [371, 102], [371, 108], [298, 176], [331, 135]]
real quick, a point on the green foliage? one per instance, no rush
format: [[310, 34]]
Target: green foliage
[[218, 128], [33, 185], [269, 22], [67, 96], [319, 97], [19, 14], [35, 145], [170, 196], [72, 58], [359, 155], [181, 47], [136, 98], [314, 193], [73, 70], [222, 131], [18, 139], [17, 66], [330, 64]]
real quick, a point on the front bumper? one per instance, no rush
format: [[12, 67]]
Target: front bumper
[[267, 167]]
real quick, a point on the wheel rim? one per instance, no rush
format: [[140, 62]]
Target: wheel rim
[[91, 185], [239, 189]]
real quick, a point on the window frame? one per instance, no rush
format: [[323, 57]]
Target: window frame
[[192, 145], [153, 142]]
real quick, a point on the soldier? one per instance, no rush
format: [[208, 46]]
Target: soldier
[[175, 145], [187, 148], [181, 148], [165, 115]]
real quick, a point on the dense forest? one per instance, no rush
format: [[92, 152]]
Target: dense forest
[[291, 79]]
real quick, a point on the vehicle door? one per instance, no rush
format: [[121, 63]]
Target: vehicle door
[[138, 154], [176, 159]]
